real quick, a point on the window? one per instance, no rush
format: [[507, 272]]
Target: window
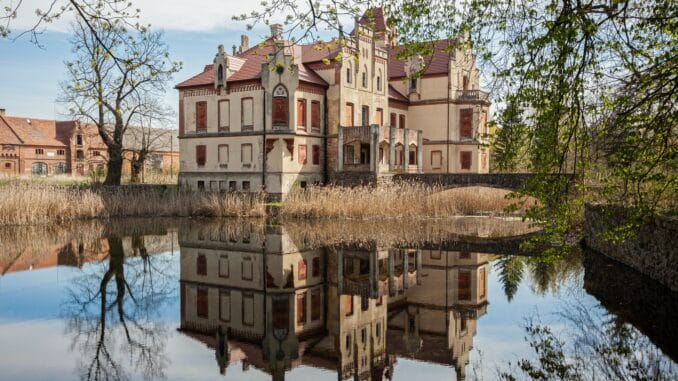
[[61, 152], [483, 160], [246, 153], [315, 115], [96, 153], [245, 186], [281, 313], [223, 153], [413, 157], [200, 155], [465, 82], [363, 335], [224, 267], [301, 273], [436, 159], [466, 124], [348, 343], [316, 154], [232, 186], [348, 117], [39, 169], [247, 269], [364, 303], [365, 116], [379, 81], [8, 165], [413, 85], [315, 304], [301, 308], [224, 115], [348, 305], [301, 113], [201, 185], [315, 266], [247, 114], [401, 121], [365, 77], [202, 305], [78, 140], [80, 154], [411, 324], [465, 159], [248, 309], [280, 107], [302, 154], [349, 154], [201, 116], [394, 120], [39, 151], [481, 283], [201, 265], [348, 74], [380, 116], [462, 324], [464, 285], [225, 305]]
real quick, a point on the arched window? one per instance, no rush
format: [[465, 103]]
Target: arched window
[[59, 168], [348, 74], [365, 76], [379, 80], [39, 169], [220, 74], [280, 107]]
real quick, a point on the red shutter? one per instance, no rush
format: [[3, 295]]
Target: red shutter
[[466, 124], [301, 308], [316, 265], [302, 270], [380, 117], [402, 121], [464, 285], [348, 118], [201, 116], [302, 154], [465, 160], [202, 306], [393, 120], [315, 115], [316, 154], [200, 155], [301, 113], [280, 108]]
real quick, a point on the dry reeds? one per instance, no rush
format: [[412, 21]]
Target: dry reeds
[[26, 203], [399, 201]]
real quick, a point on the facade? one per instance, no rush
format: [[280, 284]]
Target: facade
[[42, 147], [261, 298], [278, 115]]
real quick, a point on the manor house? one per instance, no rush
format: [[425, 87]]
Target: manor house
[[279, 114]]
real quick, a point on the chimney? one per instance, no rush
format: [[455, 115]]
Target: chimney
[[276, 31], [234, 50], [244, 43], [2, 111]]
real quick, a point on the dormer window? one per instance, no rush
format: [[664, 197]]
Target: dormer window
[[413, 85]]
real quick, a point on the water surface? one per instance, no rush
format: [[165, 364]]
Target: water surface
[[202, 300]]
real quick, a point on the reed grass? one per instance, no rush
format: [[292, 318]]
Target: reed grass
[[403, 200], [27, 203]]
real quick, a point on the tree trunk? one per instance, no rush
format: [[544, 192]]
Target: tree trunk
[[114, 174], [135, 173]]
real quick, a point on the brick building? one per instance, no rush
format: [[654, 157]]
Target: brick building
[[280, 114], [42, 147]]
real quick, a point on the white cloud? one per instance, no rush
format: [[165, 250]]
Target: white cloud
[[195, 16]]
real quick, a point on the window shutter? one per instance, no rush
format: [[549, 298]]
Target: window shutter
[[280, 109], [316, 154], [315, 114], [302, 154], [402, 121], [301, 113], [200, 155], [393, 120], [466, 160], [201, 116], [466, 124], [349, 115]]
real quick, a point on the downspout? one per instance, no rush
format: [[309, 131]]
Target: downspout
[[447, 115], [263, 146], [325, 138]]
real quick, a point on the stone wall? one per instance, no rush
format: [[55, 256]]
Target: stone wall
[[653, 251], [352, 179], [453, 180]]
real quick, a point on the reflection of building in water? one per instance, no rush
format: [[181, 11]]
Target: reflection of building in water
[[436, 321], [259, 298]]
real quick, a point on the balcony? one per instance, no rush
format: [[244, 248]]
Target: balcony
[[473, 95]]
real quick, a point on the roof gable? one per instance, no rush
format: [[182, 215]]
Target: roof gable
[[436, 63]]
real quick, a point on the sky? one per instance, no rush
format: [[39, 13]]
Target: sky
[[30, 75]]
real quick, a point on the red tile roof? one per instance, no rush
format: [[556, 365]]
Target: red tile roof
[[36, 131], [317, 52], [436, 62], [375, 18], [7, 135], [251, 69], [396, 95]]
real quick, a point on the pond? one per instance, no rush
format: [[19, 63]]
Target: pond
[[245, 300]]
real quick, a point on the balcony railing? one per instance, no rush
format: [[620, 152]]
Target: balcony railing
[[473, 95]]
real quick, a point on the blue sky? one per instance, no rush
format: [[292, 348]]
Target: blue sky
[[30, 75]]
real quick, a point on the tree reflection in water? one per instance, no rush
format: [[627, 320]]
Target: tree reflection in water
[[120, 298]]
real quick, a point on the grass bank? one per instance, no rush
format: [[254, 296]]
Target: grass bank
[[24, 203]]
